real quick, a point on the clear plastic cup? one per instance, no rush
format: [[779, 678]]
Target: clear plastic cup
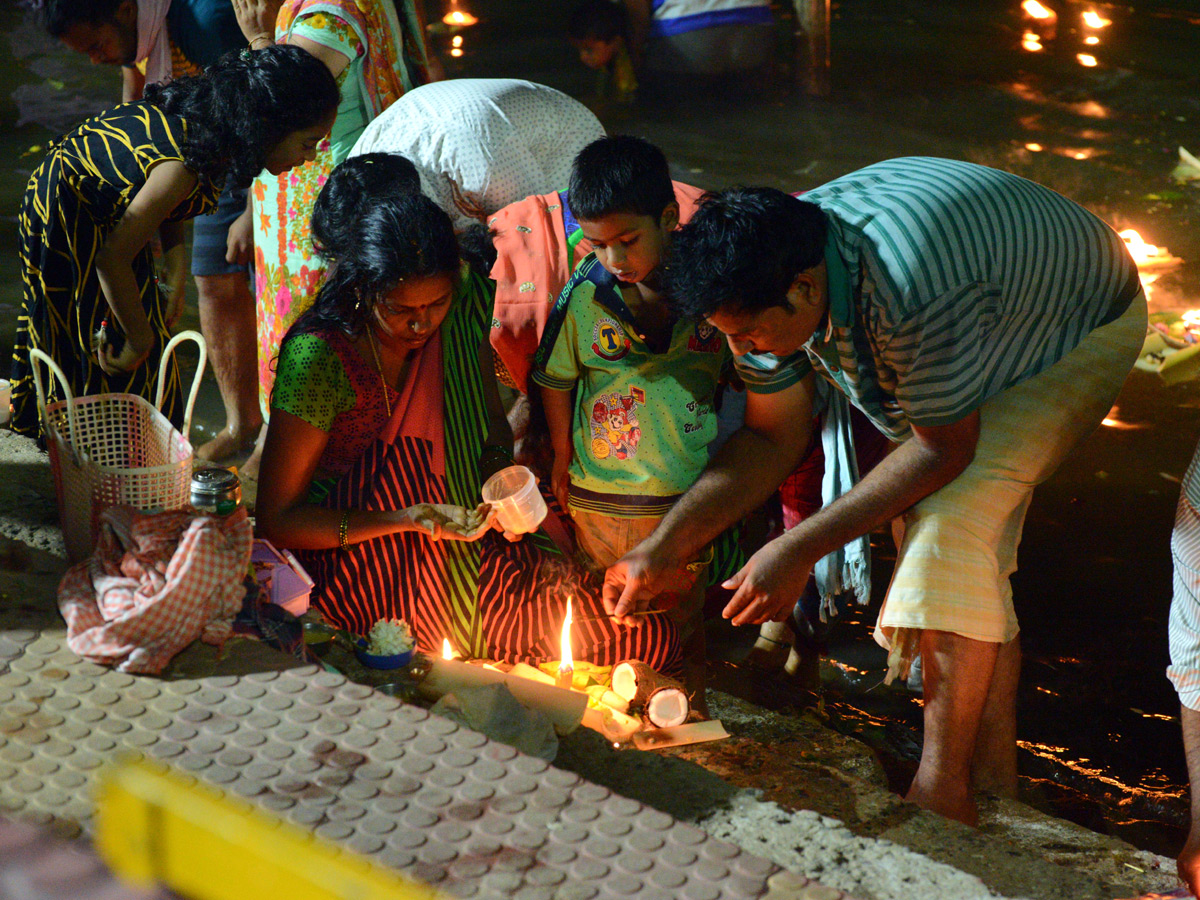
[[514, 495], [5, 400]]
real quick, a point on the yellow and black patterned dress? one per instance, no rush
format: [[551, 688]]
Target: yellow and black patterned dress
[[72, 203]]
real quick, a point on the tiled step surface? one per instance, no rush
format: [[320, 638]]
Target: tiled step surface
[[409, 789]]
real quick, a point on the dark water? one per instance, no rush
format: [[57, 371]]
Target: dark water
[[1098, 720]]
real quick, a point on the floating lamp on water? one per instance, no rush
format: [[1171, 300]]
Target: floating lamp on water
[[1093, 19], [1086, 59], [458, 17], [1031, 42]]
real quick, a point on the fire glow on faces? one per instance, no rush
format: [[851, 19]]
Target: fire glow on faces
[[298, 147], [775, 330], [413, 311], [630, 246]]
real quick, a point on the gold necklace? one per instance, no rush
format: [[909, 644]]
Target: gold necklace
[[387, 402]]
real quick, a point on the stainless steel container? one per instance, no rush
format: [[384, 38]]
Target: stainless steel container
[[216, 491]]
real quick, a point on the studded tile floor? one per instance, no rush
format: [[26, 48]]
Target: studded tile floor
[[408, 789]]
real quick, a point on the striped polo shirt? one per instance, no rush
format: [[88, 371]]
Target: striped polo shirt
[[643, 416], [949, 282]]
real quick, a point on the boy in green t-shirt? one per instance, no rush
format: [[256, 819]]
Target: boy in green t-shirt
[[627, 386]]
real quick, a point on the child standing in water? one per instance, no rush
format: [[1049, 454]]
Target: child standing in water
[[628, 387]]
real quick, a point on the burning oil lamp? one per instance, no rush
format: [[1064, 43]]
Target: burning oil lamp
[[566, 665], [1093, 19], [458, 17]]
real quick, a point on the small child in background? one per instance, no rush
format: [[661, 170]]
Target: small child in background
[[628, 387], [599, 29]]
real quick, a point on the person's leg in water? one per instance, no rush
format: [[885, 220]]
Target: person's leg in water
[[227, 323], [958, 676]]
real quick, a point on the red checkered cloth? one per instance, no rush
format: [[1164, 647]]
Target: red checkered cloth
[[155, 583]]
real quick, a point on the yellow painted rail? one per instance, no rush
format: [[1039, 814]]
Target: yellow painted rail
[[157, 827]]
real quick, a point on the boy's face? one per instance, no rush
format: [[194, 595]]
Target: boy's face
[[596, 53], [631, 246]]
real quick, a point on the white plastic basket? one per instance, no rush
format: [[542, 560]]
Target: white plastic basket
[[114, 449]]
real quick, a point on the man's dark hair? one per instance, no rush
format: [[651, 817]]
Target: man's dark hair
[[244, 105], [742, 250], [60, 16], [619, 174], [597, 20]]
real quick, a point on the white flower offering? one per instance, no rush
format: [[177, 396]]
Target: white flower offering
[[390, 637]]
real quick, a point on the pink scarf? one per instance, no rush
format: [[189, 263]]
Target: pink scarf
[[420, 410], [153, 43]]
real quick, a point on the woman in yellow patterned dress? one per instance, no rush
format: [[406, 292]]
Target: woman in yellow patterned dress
[[375, 55], [93, 205]]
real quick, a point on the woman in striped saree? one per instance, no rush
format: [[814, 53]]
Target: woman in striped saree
[[93, 205], [386, 419]]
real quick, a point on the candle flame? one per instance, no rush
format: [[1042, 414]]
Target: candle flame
[[1091, 39], [1093, 19], [567, 662], [1035, 10], [1031, 42], [1034, 148], [1191, 319], [447, 650]]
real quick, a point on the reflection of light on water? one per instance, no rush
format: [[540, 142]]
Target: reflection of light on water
[[1055, 755], [1034, 148], [1093, 19], [1086, 59], [1091, 39], [848, 669], [1031, 42], [1091, 109]]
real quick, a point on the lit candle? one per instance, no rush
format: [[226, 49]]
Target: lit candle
[[445, 676], [566, 666]]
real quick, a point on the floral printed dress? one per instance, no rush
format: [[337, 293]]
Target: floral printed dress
[[387, 58]]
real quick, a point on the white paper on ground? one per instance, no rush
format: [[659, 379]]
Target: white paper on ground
[[680, 735]]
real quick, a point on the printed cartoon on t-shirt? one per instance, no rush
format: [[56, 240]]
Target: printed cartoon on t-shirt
[[614, 424], [705, 339]]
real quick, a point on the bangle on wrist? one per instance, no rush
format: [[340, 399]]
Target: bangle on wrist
[[344, 530], [266, 41]]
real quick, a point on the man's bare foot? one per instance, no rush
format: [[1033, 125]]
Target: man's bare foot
[[952, 801], [226, 444]]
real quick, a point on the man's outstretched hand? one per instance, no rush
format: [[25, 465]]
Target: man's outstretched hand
[[768, 586], [634, 580]]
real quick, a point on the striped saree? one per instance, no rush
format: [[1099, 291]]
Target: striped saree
[[491, 598]]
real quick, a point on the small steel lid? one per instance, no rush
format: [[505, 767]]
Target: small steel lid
[[214, 480]]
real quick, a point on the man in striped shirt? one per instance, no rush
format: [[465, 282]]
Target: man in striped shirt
[[1183, 631], [982, 322]]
